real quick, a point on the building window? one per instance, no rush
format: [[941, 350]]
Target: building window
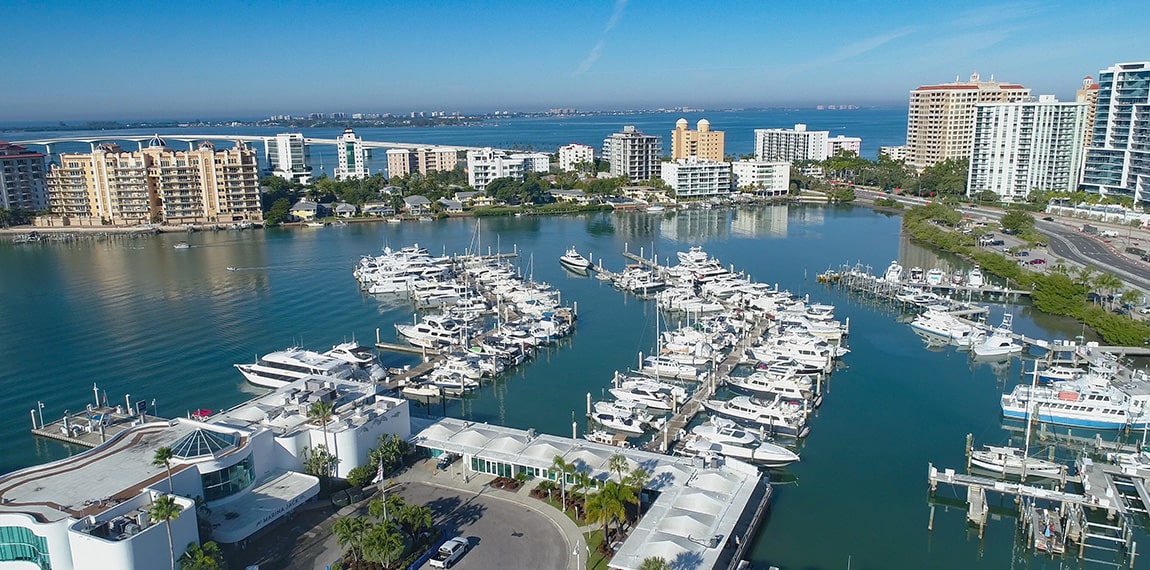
[[20, 544], [228, 481]]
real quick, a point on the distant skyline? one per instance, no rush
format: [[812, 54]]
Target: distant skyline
[[133, 60]]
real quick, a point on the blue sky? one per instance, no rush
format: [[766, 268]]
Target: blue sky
[[71, 60]]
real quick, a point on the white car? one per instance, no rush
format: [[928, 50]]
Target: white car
[[449, 553]]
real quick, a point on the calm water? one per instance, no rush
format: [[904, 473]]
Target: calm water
[[876, 127], [141, 318]]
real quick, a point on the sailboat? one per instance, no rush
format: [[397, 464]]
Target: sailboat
[[1014, 461]]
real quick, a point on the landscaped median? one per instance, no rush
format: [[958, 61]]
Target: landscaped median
[[1058, 292]]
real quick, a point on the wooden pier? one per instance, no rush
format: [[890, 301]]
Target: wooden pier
[[91, 427]]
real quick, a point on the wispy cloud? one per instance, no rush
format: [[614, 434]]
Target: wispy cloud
[[597, 50], [997, 14], [853, 50]]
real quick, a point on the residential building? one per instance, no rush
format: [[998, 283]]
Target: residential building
[[842, 143], [451, 206], [237, 472], [573, 195], [378, 209], [633, 154], [156, 184], [305, 210], [402, 161], [1088, 94], [351, 156], [694, 177], [1118, 158], [288, 157], [486, 165], [417, 205], [573, 154], [703, 143], [790, 145], [22, 182], [344, 210], [895, 153], [762, 177], [1025, 146], [534, 162], [940, 122]]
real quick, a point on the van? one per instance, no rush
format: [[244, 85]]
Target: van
[[1108, 234]]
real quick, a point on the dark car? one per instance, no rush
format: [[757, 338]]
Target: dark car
[[1039, 261], [445, 460], [1048, 219], [1021, 253]]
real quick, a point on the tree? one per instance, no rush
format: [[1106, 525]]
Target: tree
[[203, 557], [609, 504], [562, 469], [1130, 297], [389, 452], [350, 532], [387, 508], [1108, 284], [278, 213], [618, 464], [318, 461], [166, 509], [637, 479], [1018, 221], [322, 411], [163, 457], [654, 563], [383, 543]]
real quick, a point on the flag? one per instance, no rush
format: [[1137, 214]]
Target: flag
[[378, 474]]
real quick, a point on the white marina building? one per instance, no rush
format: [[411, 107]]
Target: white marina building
[[89, 511]]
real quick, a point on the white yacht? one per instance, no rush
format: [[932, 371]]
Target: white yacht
[[421, 390], [280, 368], [664, 367], [940, 324], [574, 261], [999, 342], [693, 257], [789, 387], [625, 424], [1011, 460], [935, 277], [434, 331], [1089, 403], [974, 277], [775, 417], [893, 273], [727, 438], [452, 383], [655, 395]]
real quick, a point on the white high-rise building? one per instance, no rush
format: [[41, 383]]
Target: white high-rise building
[[1025, 146], [790, 144], [761, 177], [534, 162], [351, 156], [633, 154], [693, 177], [1118, 158], [486, 165], [288, 157], [573, 154], [843, 143]]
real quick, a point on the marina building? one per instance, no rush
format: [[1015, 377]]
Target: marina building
[[89, 511], [288, 157], [761, 176], [351, 155], [694, 177], [22, 178], [842, 143], [1118, 158], [573, 154], [1025, 146], [155, 184], [940, 122], [633, 154], [790, 145], [402, 161], [702, 511], [703, 143]]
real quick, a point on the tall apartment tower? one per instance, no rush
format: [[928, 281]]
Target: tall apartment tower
[[1088, 95], [156, 184], [22, 178], [633, 154], [940, 122], [351, 156], [702, 143], [288, 157], [790, 145], [1118, 158], [574, 154], [403, 161], [1025, 146]]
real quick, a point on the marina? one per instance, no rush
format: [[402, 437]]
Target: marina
[[613, 327]]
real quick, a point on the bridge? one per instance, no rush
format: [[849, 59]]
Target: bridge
[[192, 139]]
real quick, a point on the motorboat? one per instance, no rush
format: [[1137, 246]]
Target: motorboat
[[784, 366], [434, 331], [774, 417], [974, 278], [893, 273], [935, 277], [728, 439], [654, 394], [462, 367], [280, 368], [916, 275], [789, 387], [607, 438], [1013, 461], [352, 352], [664, 367], [619, 423], [182, 245], [452, 383], [1059, 374], [624, 408], [999, 342], [421, 390], [574, 261], [693, 257], [942, 325]]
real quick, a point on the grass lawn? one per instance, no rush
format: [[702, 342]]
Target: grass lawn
[[596, 561]]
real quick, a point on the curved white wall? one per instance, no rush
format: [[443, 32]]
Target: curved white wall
[[55, 533]]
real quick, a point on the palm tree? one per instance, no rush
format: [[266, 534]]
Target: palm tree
[[164, 456], [619, 465], [322, 411], [562, 469], [167, 510], [1085, 276], [1130, 297], [350, 532], [609, 504], [202, 557], [637, 479], [654, 563], [387, 508], [382, 543], [1107, 283]]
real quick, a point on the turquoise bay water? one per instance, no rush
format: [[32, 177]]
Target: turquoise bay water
[[135, 316]]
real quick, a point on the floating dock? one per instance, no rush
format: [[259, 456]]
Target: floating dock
[[91, 427]]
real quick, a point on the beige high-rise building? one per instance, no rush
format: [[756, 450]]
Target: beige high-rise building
[[940, 123], [157, 184], [402, 161], [1089, 95], [702, 143]]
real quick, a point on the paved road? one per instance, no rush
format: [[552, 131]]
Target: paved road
[[1076, 246]]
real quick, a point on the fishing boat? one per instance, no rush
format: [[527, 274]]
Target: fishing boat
[[574, 261], [1000, 342], [893, 273], [974, 278]]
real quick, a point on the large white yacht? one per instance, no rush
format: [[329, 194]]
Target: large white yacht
[[574, 261], [280, 368], [722, 436], [434, 331], [775, 417]]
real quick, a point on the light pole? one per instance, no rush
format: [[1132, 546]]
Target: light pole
[[40, 409]]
